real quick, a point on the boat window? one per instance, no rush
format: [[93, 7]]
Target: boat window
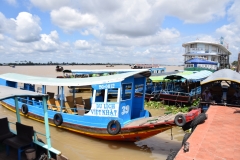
[[112, 95], [126, 91]]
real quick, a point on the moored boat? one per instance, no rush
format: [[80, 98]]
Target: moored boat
[[179, 89], [120, 118], [59, 68], [22, 138]]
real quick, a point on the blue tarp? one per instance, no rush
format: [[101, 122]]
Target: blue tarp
[[199, 61], [198, 76]]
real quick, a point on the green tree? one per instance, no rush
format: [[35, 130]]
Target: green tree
[[234, 63]]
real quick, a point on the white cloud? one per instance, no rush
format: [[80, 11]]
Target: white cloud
[[82, 44], [28, 28], [234, 12], [132, 18], [115, 31], [6, 25], [50, 4], [231, 31], [162, 37], [196, 11], [1, 37], [71, 19], [48, 43], [12, 2]]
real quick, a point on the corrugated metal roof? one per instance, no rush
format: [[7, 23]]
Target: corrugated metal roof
[[77, 71], [199, 75], [161, 78], [8, 92], [189, 75], [223, 74], [70, 81]]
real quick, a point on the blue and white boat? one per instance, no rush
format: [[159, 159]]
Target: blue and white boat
[[14, 94], [120, 118]]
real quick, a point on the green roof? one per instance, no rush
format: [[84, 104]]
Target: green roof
[[161, 78]]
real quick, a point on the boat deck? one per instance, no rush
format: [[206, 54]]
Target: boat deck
[[13, 155], [217, 138], [152, 120]]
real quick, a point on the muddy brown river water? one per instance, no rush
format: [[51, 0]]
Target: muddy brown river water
[[79, 147]]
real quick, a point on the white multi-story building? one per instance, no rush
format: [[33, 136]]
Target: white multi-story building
[[201, 55]]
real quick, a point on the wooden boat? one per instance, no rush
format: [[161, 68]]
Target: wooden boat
[[177, 88], [59, 68], [121, 118], [39, 145], [110, 65]]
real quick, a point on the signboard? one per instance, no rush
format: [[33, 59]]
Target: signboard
[[106, 86], [104, 110]]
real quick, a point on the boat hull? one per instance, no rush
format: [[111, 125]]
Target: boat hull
[[128, 132]]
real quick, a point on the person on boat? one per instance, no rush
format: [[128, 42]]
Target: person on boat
[[207, 96], [236, 96]]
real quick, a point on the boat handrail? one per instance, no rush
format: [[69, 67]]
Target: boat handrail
[[36, 141]]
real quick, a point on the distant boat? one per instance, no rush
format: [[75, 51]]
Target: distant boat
[[59, 68], [110, 65], [13, 66]]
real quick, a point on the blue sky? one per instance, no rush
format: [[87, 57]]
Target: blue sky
[[136, 31]]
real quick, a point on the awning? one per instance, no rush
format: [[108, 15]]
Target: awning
[[9, 92], [223, 74], [199, 75], [162, 78], [199, 61], [20, 78], [79, 71]]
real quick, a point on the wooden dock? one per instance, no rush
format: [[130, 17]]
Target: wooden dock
[[217, 138]]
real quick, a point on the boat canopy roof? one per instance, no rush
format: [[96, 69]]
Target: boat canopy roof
[[162, 78], [20, 78], [199, 61], [197, 76], [9, 92], [223, 74], [77, 71]]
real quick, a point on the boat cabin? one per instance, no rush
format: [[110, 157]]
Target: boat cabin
[[221, 88]]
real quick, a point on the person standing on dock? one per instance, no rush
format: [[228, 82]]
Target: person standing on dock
[[207, 96]]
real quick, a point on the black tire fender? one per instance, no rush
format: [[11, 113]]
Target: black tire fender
[[113, 127], [58, 119], [24, 109], [180, 120], [149, 113], [198, 120], [185, 138], [172, 155], [187, 126]]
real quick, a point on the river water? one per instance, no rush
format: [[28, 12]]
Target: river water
[[78, 147]]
